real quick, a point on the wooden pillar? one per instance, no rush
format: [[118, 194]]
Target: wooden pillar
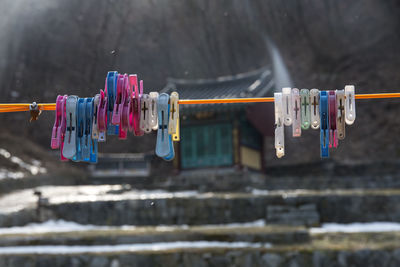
[[236, 143], [177, 160]]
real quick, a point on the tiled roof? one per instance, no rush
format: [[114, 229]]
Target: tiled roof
[[258, 83]]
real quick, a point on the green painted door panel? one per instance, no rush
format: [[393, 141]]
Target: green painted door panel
[[206, 146]]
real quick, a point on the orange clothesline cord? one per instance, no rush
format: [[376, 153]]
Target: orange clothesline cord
[[271, 99], [24, 107], [52, 106]]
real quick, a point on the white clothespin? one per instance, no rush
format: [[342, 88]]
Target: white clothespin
[[350, 107], [287, 105], [153, 117], [305, 108], [296, 113], [314, 104], [173, 112], [144, 114], [279, 128], [340, 117]]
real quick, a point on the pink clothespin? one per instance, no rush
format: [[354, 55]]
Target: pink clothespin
[[333, 139], [116, 115], [55, 134], [102, 116], [63, 126], [135, 105], [132, 84], [138, 97], [141, 88], [124, 107], [127, 111]]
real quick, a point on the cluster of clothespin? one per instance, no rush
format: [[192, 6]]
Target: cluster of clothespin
[[81, 123], [328, 111]]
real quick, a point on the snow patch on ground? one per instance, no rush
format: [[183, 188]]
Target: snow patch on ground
[[33, 168], [356, 227], [258, 223], [162, 246], [51, 226], [4, 173], [93, 194], [260, 192], [61, 226]]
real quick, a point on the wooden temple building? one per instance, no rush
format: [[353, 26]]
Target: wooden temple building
[[224, 135]]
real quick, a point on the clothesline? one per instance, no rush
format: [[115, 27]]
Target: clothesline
[[18, 107]]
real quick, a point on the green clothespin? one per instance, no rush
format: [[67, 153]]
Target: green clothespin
[[305, 109]]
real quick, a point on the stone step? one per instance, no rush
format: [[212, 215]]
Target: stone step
[[313, 176], [67, 233], [245, 182], [362, 249], [116, 205], [317, 176]]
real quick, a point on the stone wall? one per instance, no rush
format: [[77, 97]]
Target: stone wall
[[216, 210], [231, 258], [279, 207]]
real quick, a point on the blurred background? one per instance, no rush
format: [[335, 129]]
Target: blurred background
[[225, 200]]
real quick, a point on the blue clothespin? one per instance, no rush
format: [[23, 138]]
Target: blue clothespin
[[116, 132], [93, 147], [324, 133], [171, 153], [90, 148], [163, 145], [80, 121], [87, 135], [93, 151], [111, 82]]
